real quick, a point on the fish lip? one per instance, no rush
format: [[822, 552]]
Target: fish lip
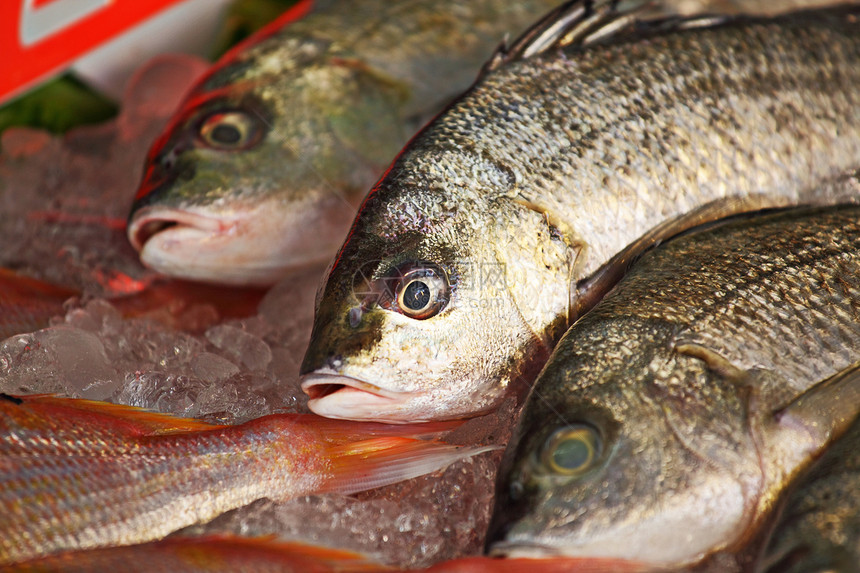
[[329, 390], [321, 378], [150, 221]]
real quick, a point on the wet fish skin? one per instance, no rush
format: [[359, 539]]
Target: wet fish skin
[[27, 304], [326, 102], [699, 374], [76, 474], [551, 164], [209, 554], [819, 526], [230, 554]]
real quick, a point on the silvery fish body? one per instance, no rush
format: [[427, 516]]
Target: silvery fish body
[[497, 225], [263, 166], [672, 416]]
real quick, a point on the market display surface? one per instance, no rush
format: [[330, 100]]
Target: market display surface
[[623, 148]]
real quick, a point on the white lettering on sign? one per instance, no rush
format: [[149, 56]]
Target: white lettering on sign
[[43, 18]]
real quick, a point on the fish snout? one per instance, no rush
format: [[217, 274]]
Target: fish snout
[[150, 221], [511, 505], [343, 397]]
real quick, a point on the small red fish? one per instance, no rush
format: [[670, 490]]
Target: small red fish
[[76, 474], [175, 303], [229, 554], [220, 553], [28, 304]]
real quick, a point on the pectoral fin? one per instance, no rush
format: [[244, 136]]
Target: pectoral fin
[[792, 436], [44, 410], [382, 461], [826, 410]]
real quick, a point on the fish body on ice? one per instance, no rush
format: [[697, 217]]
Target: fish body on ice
[[229, 554], [497, 225], [28, 304], [673, 415], [208, 554], [76, 474], [262, 168]]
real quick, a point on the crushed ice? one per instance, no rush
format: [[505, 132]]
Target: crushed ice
[[63, 203]]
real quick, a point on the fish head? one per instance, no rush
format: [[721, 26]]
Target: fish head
[[601, 466], [415, 320], [262, 168]]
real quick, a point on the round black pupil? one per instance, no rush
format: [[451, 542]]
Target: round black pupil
[[226, 134], [571, 454], [416, 296]]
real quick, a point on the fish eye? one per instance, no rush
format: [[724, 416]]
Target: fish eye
[[422, 292], [230, 130], [571, 450]]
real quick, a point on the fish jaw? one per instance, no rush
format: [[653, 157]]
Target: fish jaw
[[348, 398], [664, 541], [343, 397], [243, 247]]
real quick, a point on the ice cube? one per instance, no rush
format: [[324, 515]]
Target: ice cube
[[241, 346], [61, 359], [212, 367]]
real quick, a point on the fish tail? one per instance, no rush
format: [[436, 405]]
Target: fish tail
[[377, 462]]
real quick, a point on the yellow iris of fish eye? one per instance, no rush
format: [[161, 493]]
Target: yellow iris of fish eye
[[422, 293], [571, 450], [229, 130]]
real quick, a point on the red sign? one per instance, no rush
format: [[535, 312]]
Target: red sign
[[40, 37]]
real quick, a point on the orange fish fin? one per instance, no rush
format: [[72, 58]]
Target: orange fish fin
[[310, 557], [377, 462], [211, 553], [129, 418]]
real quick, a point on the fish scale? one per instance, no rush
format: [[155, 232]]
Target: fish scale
[[810, 280], [717, 371], [76, 474], [567, 158]]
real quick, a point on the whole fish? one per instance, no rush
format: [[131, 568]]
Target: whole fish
[[491, 232], [819, 527], [264, 165], [76, 474], [672, 415], [28, 304], [228, 554], [210, 554]]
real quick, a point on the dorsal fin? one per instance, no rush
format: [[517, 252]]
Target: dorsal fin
[[125, 418], [587, 22]]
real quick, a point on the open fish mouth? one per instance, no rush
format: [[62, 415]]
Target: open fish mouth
[[240, 248], [248, 244], [149, 223], [347, 398]]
